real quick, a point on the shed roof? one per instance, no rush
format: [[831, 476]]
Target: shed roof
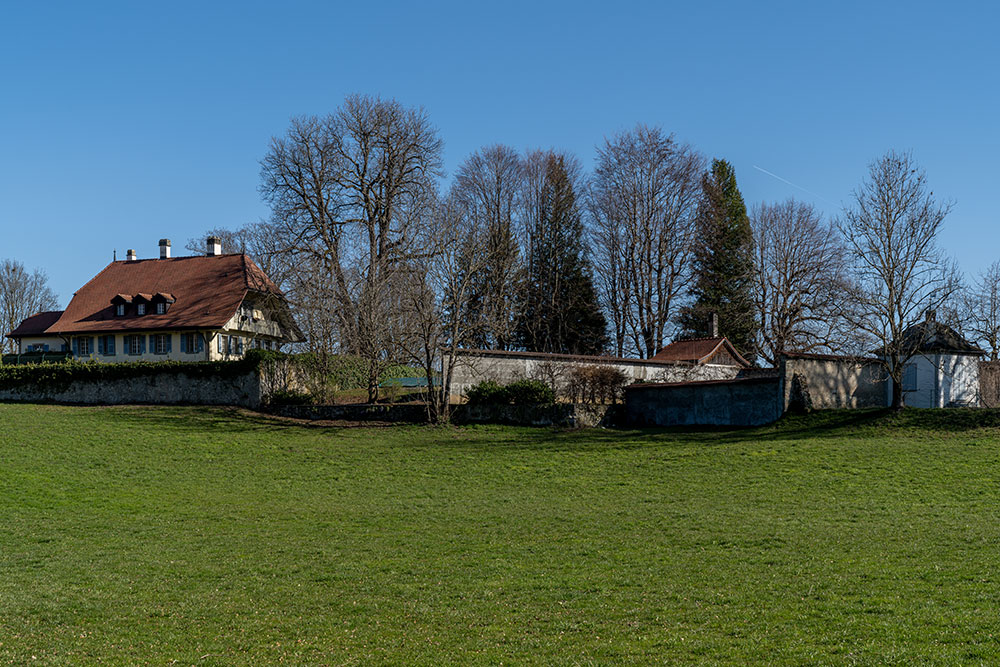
[[933, 337], [700, 351], [36, 324]]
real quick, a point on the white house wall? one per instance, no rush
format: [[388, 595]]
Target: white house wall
[[54, 342], [943, 380]]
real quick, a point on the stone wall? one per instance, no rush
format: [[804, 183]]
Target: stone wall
[[989, 384], [741, 402], [355, 413], [153, 388], [825, 382], [475, 366], [574, 415]]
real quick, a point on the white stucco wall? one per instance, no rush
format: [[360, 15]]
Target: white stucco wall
[[54, 342], [943, 380]]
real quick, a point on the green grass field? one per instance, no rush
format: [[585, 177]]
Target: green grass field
[[205, 536]]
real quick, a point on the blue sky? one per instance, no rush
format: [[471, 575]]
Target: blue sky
[[121, 123]]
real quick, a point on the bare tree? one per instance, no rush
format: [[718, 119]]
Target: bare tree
[[981, 310], [22, 294], [643, 202], [443, 298], [488, 187], [351, 191], [900, 273], [800, 280]]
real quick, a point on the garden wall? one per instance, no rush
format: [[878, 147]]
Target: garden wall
[[741, 402], [827, 382], [248, 382], [989, 384], [475, 366], [155, 388]]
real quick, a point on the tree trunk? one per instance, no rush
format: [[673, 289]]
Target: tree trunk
[[897, 394]]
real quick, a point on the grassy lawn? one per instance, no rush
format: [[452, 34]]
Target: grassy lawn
[[204, 536]]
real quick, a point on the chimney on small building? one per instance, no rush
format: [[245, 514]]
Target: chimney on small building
[[213, 246], [164, 248], [713, 324], [130, 255]]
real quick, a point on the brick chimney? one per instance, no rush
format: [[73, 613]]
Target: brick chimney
[[213, 246], [130, 255]]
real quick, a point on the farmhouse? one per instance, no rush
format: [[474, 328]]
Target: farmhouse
[[205, 307]]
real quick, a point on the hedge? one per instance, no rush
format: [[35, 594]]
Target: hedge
[[58, 377]]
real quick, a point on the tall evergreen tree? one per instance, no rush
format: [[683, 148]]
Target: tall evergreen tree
[[723, 264], [560, 311]]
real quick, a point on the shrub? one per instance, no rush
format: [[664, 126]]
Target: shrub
[[521, 392], [529, 392], [596, 383], [486, 392]]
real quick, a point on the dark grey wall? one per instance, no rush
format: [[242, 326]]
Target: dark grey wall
[[746, 402]]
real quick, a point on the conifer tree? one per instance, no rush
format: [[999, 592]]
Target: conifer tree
[[723, 264], [560, 312]]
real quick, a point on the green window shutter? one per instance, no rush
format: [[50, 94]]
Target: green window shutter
[[142, 345], [199, 343], [100, 345], [76, 346], [110, 345], [125, 344]]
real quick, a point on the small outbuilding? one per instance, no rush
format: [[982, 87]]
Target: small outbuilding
[[944, 369]]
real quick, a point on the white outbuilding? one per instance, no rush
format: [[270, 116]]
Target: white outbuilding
[[943, 372]]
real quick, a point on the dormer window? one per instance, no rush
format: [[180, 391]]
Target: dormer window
[[121, 302], [140, 309], [161, 302]]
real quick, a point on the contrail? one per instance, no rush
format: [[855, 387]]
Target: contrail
[[793, 185]]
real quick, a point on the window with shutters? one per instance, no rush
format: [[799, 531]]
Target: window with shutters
[[161, 343], [134, 345], [910, 377]]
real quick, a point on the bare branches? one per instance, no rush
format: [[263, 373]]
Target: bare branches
[[981, 310], [643, 201], [899, 272], [352, 191], [488, 187], [22, 294], [800, 280]]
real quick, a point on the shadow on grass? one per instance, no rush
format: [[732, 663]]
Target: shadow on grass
[[831, 424]]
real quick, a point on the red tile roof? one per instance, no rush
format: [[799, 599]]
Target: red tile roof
[[699, 351], [36, 324], [208, 291]]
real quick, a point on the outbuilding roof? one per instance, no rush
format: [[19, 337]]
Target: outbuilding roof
[[702, 351], [207, 291], [933, 337], [36, 324]]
